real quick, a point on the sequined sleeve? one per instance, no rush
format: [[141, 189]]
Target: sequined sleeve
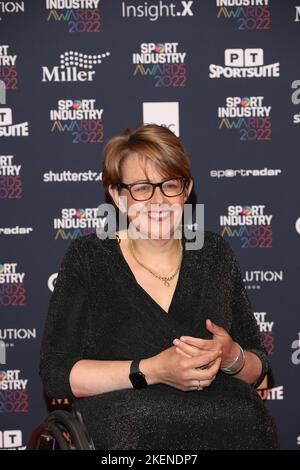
[[62, 342], [244, 328]]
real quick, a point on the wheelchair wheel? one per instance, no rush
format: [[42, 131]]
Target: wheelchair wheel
[[61, 431]]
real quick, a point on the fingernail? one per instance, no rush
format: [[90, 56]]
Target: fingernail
[[182, 338], [176, 341]]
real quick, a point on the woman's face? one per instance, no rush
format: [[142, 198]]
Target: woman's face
[[157, 217]]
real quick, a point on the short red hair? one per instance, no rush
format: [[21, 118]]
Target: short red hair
[[157, 143]]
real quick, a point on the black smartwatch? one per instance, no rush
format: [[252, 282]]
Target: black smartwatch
[[137, 377]]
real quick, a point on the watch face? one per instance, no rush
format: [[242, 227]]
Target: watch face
[[138, 380]]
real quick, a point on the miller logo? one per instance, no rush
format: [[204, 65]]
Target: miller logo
[[69, 69]]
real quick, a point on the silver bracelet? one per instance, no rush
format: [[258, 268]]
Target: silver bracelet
[[237, 365]]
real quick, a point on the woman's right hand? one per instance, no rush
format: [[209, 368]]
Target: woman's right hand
[[184, 372]]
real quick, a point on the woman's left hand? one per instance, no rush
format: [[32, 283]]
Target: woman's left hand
[[190, 346]]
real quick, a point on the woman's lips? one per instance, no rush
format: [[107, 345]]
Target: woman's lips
[[159, 216]]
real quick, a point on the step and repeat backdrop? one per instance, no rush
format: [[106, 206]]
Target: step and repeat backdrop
[[224, 75]]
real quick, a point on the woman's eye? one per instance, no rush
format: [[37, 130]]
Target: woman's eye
[[144, 187], [171, 185]]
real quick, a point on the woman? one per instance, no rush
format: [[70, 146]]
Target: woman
[[157, 341]]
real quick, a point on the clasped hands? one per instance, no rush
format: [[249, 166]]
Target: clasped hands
[[211, 354]]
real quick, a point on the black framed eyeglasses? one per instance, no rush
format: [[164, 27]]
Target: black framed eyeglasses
[[170, 187]]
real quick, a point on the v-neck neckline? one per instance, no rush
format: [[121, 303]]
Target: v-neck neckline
[[145, 294]]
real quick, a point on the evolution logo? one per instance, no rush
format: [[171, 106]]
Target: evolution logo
[[13, 334], [70, 63], [75, 223], [256, 279], [153, 11], [162, 114], [249, 224], [12, 289], [248, 115], [10, 179], [296, 99], [83, 120], [250, 14], [81, 16], [11, 440], [8, 70], [244, 63], [265, 328], [8, 129], [8, 339], [163, 62], [11, 7]]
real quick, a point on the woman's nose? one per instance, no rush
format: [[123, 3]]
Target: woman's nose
[[158, 196]]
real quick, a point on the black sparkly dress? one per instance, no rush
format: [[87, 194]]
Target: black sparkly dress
[[99, 311]]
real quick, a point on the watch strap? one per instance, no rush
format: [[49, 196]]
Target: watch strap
[[137, 377], [135, 367]]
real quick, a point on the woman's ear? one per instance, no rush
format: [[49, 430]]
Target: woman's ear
[[114, 194], [119, 201]]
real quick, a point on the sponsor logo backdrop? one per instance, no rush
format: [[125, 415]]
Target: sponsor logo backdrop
[[224, 75]]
